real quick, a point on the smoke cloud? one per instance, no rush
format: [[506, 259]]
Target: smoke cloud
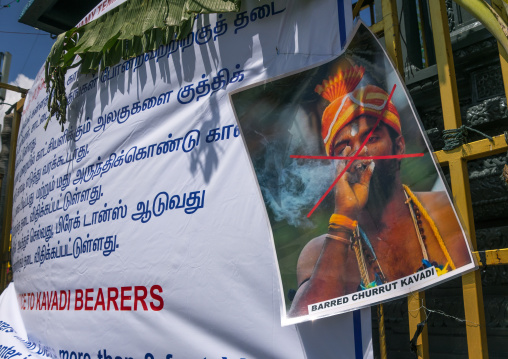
[[292, 187]]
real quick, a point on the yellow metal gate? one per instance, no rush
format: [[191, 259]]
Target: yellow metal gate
[[456, 160]]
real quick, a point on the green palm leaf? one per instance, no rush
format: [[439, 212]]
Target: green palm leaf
[[131, 29]]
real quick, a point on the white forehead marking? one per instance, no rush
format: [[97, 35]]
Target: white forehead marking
[[354, 129]]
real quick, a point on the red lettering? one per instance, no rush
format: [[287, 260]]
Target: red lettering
[[63, 301], [140, 298], [112, 298], [43, 305], [78, 303], [156, 297], [54, 304], [100, 300], [125, 298], [88, 298]]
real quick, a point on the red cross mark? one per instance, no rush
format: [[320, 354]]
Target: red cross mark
[[355, 156]]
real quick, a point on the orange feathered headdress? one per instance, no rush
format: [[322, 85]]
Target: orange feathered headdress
[[348, 103]]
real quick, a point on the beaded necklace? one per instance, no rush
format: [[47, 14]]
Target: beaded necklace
[[366, 253], [418, 208]]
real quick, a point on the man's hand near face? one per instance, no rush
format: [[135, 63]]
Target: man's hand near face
[[352, 189]]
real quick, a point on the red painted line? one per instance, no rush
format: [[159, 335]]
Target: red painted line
[[388, 157], [355, 156]]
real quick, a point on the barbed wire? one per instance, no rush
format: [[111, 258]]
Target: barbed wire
[[440, 312]]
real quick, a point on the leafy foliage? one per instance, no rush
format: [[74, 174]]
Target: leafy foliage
[[131, 29]]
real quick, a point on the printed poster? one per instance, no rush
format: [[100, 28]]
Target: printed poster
[[358, 208]]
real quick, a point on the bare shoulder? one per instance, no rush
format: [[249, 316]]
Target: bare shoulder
[[441, 210], [308, 258], [437, 198], [437, 204]]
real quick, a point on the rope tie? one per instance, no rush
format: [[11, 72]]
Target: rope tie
[[413, 342], [457, 137]]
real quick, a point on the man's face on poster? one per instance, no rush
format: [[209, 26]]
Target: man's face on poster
[[384, 141]]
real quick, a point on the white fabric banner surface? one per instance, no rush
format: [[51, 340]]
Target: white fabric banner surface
[[139, 232]]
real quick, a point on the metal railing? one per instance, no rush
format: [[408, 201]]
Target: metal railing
[[456, 160]]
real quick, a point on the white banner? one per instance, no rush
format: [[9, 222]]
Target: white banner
[[139, 231]]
